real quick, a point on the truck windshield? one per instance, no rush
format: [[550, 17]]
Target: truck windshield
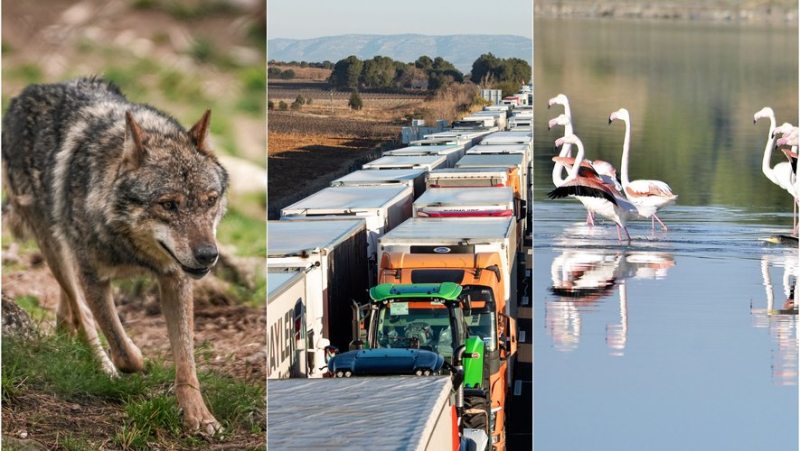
[[400, 322], [483, 319]]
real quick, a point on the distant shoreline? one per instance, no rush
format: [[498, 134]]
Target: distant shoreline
[[777, 13]]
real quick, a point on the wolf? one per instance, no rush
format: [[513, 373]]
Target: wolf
[[108, 189]]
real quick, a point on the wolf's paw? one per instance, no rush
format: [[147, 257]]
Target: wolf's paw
[[205, 424], [130, 360], [196, 416]]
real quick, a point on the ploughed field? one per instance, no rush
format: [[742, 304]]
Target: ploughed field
[[306, 152]]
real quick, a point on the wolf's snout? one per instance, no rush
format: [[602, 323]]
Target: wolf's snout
[[206, 254]]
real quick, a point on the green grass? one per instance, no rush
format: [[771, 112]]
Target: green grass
[[68, 368], [75, 442]]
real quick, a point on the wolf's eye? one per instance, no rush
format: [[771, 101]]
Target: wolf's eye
[[211, 201], [169, 205]]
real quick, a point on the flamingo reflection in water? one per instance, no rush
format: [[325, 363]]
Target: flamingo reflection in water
[[781, 321], [581, 277]]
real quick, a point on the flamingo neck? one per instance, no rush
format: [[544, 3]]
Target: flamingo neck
[[567, 149], [576, 165], [626, 147], [558, 179], [768, 149]]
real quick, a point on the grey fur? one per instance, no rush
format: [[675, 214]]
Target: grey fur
[[108, 187]]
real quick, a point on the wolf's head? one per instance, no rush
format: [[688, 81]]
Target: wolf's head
[[169, 194]]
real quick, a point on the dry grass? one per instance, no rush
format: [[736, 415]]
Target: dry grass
[[451, 103]]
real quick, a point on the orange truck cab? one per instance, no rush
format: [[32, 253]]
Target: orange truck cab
[[483, 270]]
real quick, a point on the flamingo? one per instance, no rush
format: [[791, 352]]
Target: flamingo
[[648, 196], [564, 160], [602, 167], [789, 137], [781, 174], [561, 99], [599, 197], [788, 134]]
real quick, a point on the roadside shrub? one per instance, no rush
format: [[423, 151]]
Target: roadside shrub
[[355, 102]]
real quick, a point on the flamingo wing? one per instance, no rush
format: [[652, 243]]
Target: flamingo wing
[[584, 187], [647, 188], [586, 170]]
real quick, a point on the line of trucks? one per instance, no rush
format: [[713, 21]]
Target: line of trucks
[[393, 293]]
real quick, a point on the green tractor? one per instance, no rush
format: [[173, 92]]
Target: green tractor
[[421, 329]]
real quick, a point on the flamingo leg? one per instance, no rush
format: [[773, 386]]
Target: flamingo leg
[[659, 221], [589, 218], [628, 233], [619, 235]]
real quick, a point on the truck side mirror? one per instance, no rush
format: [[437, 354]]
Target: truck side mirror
[[507, 340], [523, 210]]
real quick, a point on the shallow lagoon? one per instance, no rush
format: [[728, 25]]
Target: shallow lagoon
[[677, 340]]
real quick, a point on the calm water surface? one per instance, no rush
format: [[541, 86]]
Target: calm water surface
[[679, 340]]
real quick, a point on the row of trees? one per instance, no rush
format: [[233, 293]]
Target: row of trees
[[425, 73], [382, 72], [488, 66]]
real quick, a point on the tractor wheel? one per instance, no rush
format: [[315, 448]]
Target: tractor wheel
[[476, 413]]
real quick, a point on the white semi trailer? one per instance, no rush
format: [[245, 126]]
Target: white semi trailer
[[382, 207], [325, 263]]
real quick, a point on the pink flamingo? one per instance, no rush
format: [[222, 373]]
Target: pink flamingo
[[564, 160], [602, 167], [597, 196], [782, 174], [648, 196]]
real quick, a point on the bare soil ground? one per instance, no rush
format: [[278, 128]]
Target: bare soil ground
[[307, 152], [324, 140]]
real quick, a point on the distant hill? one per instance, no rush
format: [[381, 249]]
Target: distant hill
[[461, 50]]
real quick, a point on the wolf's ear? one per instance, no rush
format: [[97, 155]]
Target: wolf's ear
[[199, 133], [133, 151]]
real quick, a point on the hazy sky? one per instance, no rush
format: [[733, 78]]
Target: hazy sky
[[302, 19]]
